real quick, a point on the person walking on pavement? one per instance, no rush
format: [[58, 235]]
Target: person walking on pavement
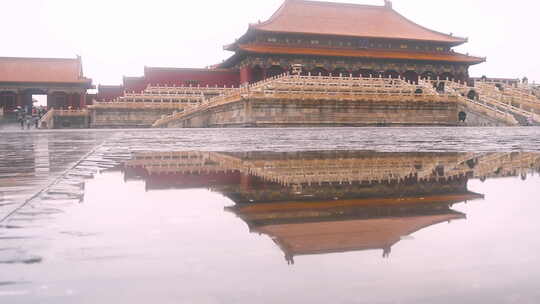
[[20, 118], [35, 118], [28, 121]]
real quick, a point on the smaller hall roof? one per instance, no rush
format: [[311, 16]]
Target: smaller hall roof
[[353, 20], [42, 70]]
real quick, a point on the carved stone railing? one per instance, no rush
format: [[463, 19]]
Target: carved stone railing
[[288, 86], [160, 98], [490, 111], [505, 99], [172, 94], [47, 121], [187, 90], [139, 105], [490, 102]]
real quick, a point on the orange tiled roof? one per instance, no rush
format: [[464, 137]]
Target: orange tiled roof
[[42, 70], [341, 19], [364, 53]]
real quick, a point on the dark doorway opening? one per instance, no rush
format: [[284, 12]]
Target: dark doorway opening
[[411, 76], [367, 73], [391, 74], [319, 72], [257, 74], [341, 72], [275, 70]]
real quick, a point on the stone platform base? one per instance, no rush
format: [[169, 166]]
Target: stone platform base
[[324, 113], [125, 118]]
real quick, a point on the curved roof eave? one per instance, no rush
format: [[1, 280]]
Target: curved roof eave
[[280, 20]]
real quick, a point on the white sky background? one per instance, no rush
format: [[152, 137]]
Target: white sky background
[[117, 38]]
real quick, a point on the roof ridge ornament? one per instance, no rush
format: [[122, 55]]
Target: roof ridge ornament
[[388, 4]]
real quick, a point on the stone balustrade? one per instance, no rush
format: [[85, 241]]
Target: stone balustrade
[[160, 98], [506, 97], [46, 121], [298, 87], [62, 118], [491, 101], [159, 94], [140, 105], [187, 90]]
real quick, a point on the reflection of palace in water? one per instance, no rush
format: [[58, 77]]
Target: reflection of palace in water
[[323, 202]]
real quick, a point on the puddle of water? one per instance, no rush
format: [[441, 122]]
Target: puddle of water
[[267, 227]]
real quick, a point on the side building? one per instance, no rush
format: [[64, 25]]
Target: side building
[[60, 79]]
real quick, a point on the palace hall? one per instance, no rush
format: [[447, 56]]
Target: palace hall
[[311, 63], [61, 79], [324, 38]]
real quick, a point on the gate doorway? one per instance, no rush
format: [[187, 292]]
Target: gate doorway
[[40, 100]]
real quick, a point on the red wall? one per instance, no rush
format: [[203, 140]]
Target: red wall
[[135, 84], [182, 77], [245, 75], [108, 93], [171, 77]]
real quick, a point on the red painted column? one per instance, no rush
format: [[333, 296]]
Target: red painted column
[[70, 100], [82, 100], [18, 98], [50, 101], [245, 75]]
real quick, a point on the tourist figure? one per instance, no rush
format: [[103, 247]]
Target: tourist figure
[[35, 118], [20, 118], [28, 121]]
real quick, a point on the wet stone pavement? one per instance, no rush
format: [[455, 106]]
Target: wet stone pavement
[[75, 218], [32, 161]]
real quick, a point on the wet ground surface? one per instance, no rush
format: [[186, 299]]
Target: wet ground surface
[[242, 216]]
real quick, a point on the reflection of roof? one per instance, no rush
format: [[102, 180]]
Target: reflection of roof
[[347, 225], [42, 70], [353, 20], [364, 53], [350, 235], [250, 212]]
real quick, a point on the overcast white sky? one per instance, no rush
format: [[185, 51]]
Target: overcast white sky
[[117, 38]]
